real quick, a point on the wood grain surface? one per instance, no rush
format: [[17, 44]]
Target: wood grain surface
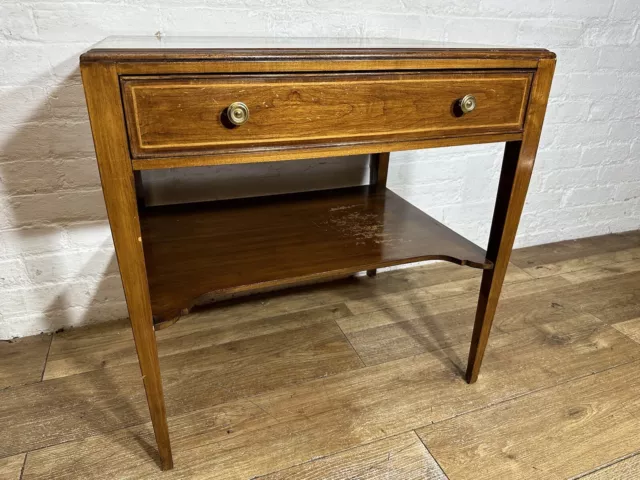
[[275, 373], [517, 167], [21, 358], [170, 257], [11, 467], [174, 115], [102, 92], [402, 457], [237, 245]]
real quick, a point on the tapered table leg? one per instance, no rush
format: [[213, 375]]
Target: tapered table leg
[[517, 166], [102, 91]]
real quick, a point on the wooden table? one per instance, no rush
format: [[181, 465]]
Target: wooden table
[[178, 102]]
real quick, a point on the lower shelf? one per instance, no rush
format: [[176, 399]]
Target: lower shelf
[[237, 245]]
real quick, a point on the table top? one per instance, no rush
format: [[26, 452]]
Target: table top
[[211, 46]]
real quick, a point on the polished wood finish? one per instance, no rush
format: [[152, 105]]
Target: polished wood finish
[[238, 245], [175, 115], [161, 105], [222, 55], [118, 184], [302, 152], [517, 167]]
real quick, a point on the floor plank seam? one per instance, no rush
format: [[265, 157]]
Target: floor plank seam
[[606, 465], [340, 452], [531, 392], [432, 455], [351, 344], [623, 333], [531, 277], [378, 439], [46, 358], [24, 463]]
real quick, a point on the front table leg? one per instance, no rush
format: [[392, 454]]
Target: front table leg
[[517, 166], [102, 91]]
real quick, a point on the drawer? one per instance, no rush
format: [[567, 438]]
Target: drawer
[[176, 115]]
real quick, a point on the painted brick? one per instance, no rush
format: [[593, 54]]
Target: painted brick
[[433, 8], [604, 155], [571, 178], [547, 32], [30, 241], [594, 83], [12, 304], [490, 31], [91, 22], [627, 172], [17, 22], [52, 208], [56, 251], [12, 272], [627, 192], [599, 35], [86, 235], [68, 265], [589, 196], [36, 141], [582, 8], [22, 104], [516, 8], [624, 10], [29, 65]]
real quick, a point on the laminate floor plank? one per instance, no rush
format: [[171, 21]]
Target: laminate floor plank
[[422, 286], [76, 406], [631, 328], [401, 331], [403, 457], [580, 263], [555, 433], [605, 271], [276, 385], [11, 467], [612, 299], [85, 349], [22, 360], [626, 469], [559, 252], [333, 414]]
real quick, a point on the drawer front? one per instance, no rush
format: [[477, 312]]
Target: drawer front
[[188, 115]]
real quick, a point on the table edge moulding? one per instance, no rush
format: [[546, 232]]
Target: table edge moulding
[[196, 101]]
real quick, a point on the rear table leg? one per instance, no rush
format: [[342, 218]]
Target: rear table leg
[[378, 167]]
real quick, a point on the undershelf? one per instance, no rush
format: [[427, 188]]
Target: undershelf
[[238, 245]]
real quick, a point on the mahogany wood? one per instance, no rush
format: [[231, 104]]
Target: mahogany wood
[[517, 167], [238, 245], [298, 152], [187, 115], [154, 105], [118, 184]]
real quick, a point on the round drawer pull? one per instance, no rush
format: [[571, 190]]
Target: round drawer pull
[[468, 103], [238, 113]]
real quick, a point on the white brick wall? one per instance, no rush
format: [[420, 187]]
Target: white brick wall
[[57, 267]]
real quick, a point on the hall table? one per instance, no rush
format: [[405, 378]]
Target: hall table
[[193, 101]]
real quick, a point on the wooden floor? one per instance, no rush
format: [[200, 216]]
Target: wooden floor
[[357, 379]]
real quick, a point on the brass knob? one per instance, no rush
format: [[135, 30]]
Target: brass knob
[[238, 113], [468, 103]]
